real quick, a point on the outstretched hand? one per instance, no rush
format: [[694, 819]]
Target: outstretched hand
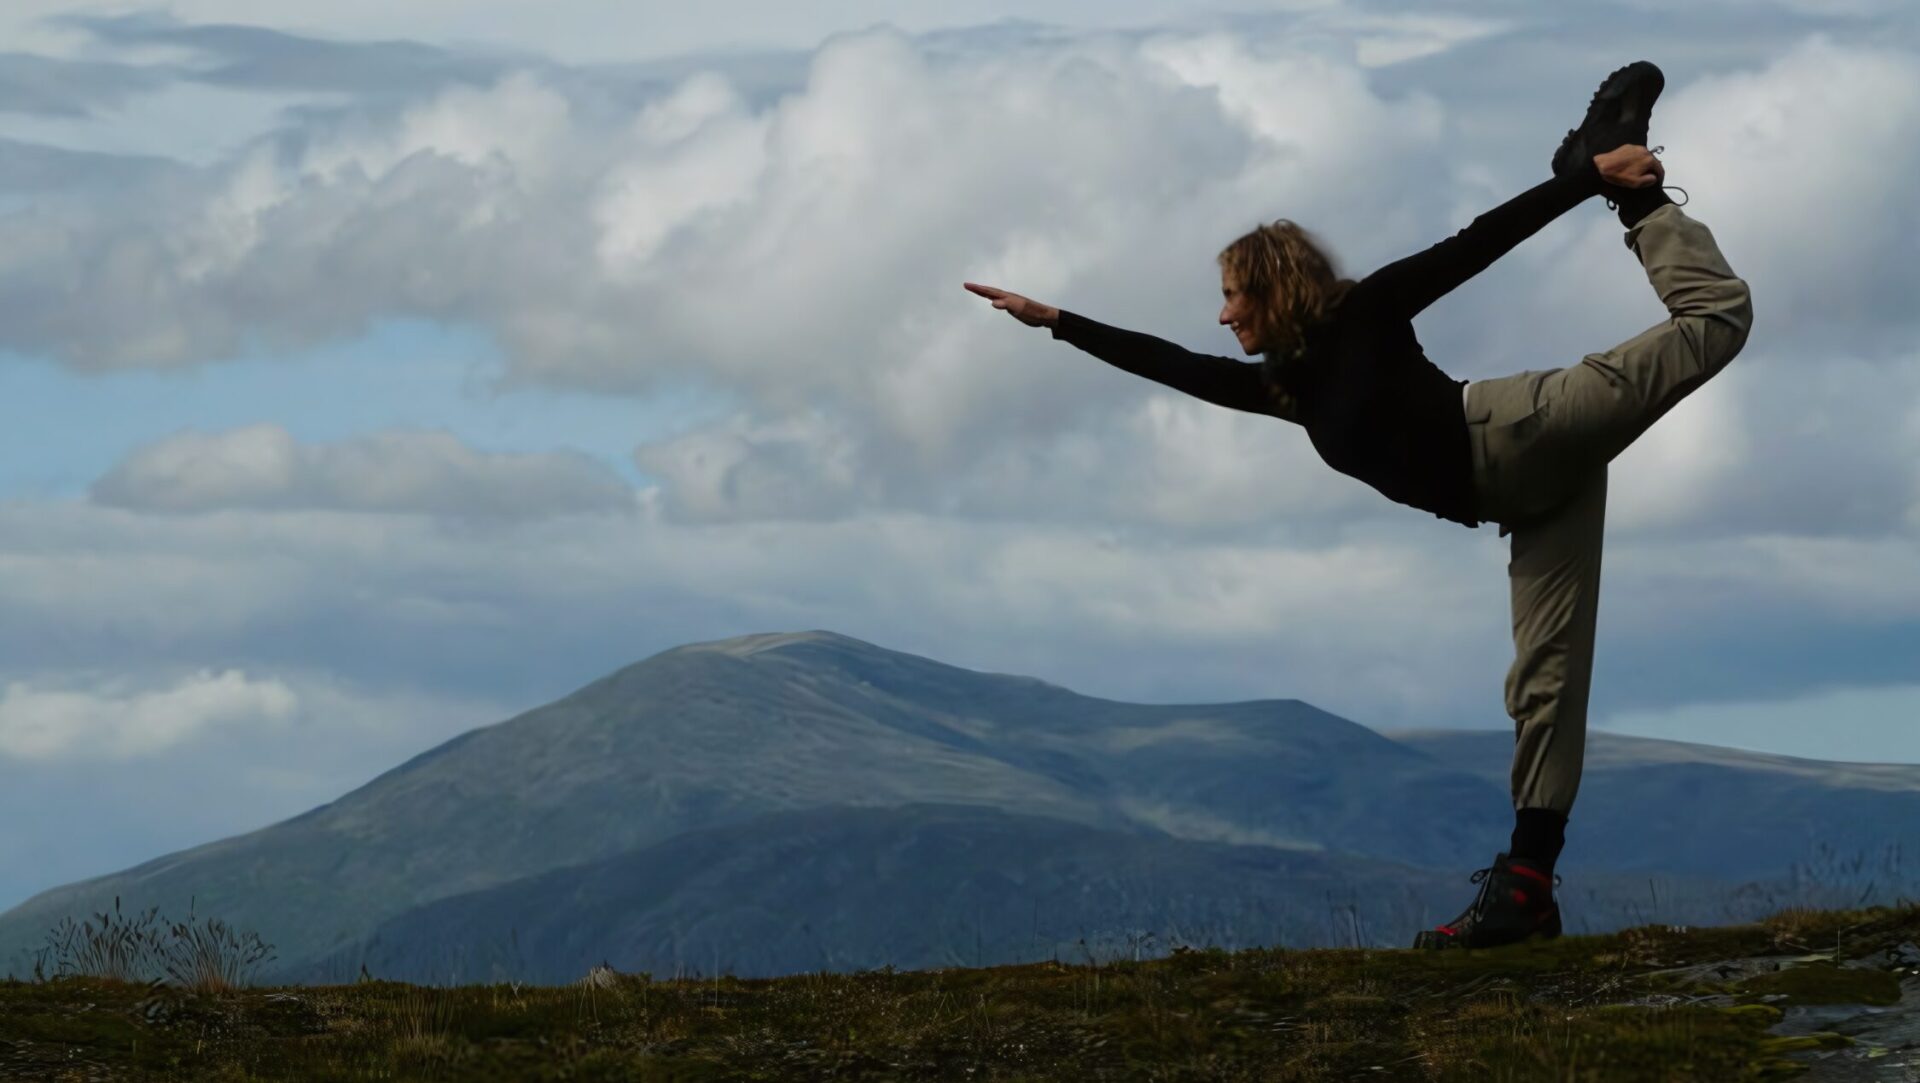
[[1026, 310], [1630, 166]]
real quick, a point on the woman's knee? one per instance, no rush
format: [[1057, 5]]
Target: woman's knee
[[1742, 314], [1724, 334], [1735, 308], [1718, 334]]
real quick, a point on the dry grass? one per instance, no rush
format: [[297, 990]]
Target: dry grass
[[1550, 1011], [209, 957], [1580, 1008]]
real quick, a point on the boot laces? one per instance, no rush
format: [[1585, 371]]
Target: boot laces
[[1479, 901], [1655, 151], [1480, 877], [1474, 912]]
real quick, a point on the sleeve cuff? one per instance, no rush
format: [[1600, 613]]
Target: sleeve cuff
[[1590, 174]]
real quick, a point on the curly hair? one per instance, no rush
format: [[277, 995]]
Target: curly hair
[[1292, 283]]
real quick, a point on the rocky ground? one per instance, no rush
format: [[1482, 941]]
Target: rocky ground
[[1885, 1038]]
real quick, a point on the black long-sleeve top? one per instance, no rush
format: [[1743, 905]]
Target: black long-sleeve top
[[1373, 405]]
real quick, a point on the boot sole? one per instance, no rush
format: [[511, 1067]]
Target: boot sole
[[1435, 940], [1432, 941], [1614, 91]]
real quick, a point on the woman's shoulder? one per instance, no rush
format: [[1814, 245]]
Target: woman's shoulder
[[1349, 298], [1359, 311]]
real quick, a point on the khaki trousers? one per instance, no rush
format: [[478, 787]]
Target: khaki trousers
[[1541, 443]]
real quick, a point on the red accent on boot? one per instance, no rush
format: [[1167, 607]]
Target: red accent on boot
[[1530, 871]]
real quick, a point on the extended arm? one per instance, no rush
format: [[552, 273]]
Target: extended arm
[[1220, 380], [1405, 287]]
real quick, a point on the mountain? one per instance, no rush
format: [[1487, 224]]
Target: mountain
[[711, 734]]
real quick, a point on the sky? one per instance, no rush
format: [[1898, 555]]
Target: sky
[[373, 372]]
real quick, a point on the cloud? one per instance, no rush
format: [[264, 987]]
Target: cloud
[[801, 467], [263, 58], [404, 599], [1819, 448], [695, 234], [645, 200], [1381, 39], [689, 239], [1383, 620], [38, 723], [50, 172], [1826, 9], [49, 86], [910, 466], [1798, 435], [517, 129], [247, 766], [1910, 444], [1849, 724], [262, 466], [1672, 474], [1169, 461], [588, 31], [1798, 163]]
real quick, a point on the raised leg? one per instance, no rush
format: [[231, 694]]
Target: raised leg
[[1594, 410]]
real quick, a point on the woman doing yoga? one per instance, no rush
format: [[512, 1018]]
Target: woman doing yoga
[[1527, 451]]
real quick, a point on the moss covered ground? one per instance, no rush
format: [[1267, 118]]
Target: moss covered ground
[[1580, 1008]]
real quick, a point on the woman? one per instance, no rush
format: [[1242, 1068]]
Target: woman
[[1527, 451]]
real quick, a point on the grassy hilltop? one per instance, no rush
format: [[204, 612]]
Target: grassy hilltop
[[1652, 1002]]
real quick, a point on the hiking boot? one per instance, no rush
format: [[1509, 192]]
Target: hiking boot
[[1617, 116], [1515, 903]]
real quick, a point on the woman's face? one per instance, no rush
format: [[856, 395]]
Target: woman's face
[[1237, 313]]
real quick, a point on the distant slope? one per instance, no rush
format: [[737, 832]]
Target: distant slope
[[1646, 803], [918, 887]]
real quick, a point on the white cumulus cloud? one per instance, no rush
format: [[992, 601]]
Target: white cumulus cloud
[[263, 466], [38, 723]]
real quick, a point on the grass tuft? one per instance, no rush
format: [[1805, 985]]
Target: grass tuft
[[208, 958]]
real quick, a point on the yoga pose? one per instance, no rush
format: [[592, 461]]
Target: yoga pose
[[1528, 451]]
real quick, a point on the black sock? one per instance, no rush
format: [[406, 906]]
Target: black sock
[[1538, 835], [1637, 203]]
